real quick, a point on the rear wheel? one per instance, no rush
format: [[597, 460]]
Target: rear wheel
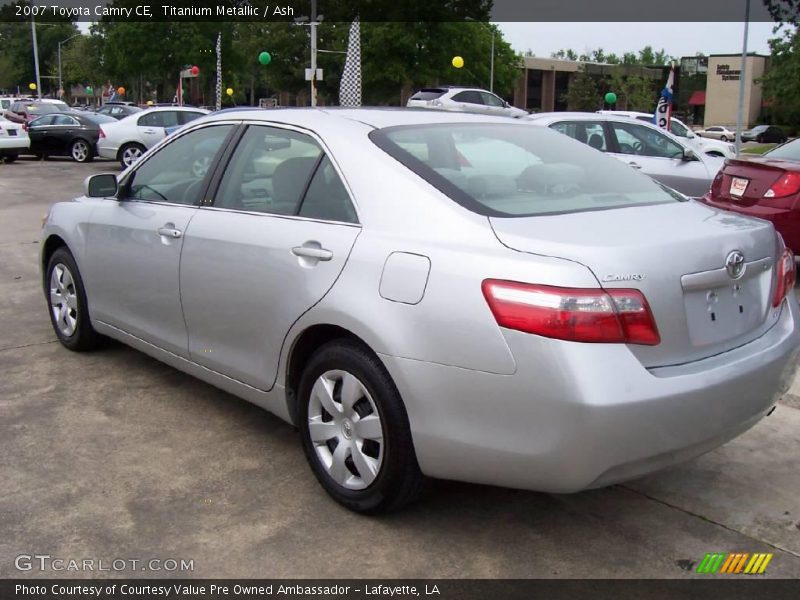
[[67, 302], [9, 158], [130, 153], [723, 138], [80, 151], [355, 430]]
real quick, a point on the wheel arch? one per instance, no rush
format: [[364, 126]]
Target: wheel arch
[[50, 245], [301, 350]]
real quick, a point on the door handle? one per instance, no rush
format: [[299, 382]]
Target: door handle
[[149, 131], [635, 165], [170, 232], [312, 252]]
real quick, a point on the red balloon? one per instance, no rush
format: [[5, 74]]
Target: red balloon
[[195, 70]]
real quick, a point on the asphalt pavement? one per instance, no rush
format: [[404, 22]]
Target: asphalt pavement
[[113, 456]]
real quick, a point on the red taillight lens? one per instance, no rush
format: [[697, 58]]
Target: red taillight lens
[[25, 127], [574, 314], [787, 185], [716, 185], [786, 275], [102, 133]]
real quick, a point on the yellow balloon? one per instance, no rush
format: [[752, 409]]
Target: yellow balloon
[[229, 91], [32, 86], [149, 103], [458, 62]]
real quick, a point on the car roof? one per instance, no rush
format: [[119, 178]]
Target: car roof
[[376, 118]]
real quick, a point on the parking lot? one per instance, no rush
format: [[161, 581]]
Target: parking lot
[[112, 455]]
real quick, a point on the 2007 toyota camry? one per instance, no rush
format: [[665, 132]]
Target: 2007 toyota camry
[[433, 294]]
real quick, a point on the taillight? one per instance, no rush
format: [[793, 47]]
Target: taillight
[[574, 314], [787, 185], [786, 275], [25, 127], [716, 185], [102, 133]]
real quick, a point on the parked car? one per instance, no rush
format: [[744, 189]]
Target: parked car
[[459, 99], [129, 138], [118, 111], [766, 186], [681, 130], [433, 294], [24, 111], [6, 102], [72, 134], [764, 134], [13, 140], [640, 145], [717, 132]]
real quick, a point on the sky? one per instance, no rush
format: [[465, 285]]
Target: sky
[[677, 39]]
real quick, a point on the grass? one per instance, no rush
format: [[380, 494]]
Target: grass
[[758, 149]]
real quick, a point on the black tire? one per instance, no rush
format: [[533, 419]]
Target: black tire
[[84, 337], [723, 138], [9, 158], [125, 149], [399, 480], [81, 157]]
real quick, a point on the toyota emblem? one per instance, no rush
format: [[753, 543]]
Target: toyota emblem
[[734, 264]]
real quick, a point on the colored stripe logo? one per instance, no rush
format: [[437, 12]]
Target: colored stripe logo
[[734, 563]]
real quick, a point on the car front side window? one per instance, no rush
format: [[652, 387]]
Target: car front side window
[[644, 141], [176, 173]]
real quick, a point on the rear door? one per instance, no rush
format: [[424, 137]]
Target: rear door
[[660, 157], [38, 133], [470, 101], [274, 242], [151, 126]]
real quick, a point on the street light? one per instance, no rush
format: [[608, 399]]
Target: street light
[[60, 82]]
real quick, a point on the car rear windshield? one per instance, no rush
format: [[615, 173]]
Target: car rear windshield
[[788, 151], [428, 94], [39, 109], [98, 119], [516, 170]]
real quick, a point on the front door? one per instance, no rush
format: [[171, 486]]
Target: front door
[[135, 241]]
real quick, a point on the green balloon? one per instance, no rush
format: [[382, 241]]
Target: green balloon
[[611, 98], [265, 58], [89, 90]]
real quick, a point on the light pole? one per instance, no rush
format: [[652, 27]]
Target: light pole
[[60, 82], [491, 60], [313, 21], [36, 59], [740, 110]]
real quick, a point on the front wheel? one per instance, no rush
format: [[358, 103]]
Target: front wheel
[[723, 138], [9, 158], [67, 302], [355, 430], [80, 151]]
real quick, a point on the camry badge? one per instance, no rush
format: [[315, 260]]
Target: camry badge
[[734, 264], [624, 277]]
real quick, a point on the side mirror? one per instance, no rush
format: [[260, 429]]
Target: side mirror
[[103, 185], [689, 155]]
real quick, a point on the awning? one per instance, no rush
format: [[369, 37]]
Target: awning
[[697, 98]]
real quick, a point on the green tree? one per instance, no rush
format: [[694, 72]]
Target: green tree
[[782, 81], [583, 93]]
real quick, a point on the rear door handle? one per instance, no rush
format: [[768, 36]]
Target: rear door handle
[[635, 165], [312, 252], [170, 232]]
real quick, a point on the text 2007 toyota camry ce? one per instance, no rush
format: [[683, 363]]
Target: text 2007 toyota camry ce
[[433, 294]]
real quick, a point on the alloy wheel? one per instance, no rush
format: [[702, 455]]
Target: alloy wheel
[[130, 155], [63, 300], [345, 429], [80, 151]]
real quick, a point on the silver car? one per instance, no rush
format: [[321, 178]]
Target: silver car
[[642, 146], [432, 294]]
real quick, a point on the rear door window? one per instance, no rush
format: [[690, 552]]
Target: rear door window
[[468, 97], [591, 133]]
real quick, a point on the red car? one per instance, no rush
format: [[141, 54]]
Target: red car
[[767, 187]]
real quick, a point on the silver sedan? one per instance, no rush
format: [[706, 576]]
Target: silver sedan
[[432, 294]]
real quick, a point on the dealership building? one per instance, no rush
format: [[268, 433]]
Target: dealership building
[[706, 89]]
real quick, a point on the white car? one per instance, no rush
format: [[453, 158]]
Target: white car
[[129, 138], [717, 132], [642, 146], [459, 99], [679, 129], [14, 140]]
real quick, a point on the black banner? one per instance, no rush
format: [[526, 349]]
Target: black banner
[[729, 588], [399, 10]]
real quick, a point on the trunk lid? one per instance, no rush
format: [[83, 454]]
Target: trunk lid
[[675, 254], [745, 181]]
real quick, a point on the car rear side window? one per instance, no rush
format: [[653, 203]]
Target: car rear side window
[[591, 133], [176, 172], [269, 171], [510, 170], [468, 97], [327, 198]]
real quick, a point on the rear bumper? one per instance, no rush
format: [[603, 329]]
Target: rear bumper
[[106, 151], [14, 144], [577, 416]]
